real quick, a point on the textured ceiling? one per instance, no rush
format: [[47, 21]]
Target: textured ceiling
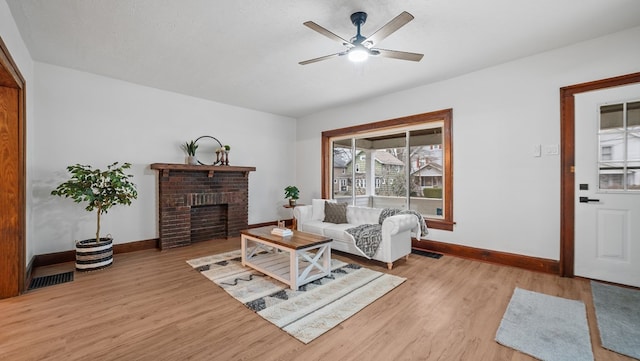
[[246, 53]]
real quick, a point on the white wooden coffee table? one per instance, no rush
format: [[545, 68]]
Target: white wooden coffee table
[[294, 260]]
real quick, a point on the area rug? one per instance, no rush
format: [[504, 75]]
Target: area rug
[[618, 318], [546, 327], [310, 311]]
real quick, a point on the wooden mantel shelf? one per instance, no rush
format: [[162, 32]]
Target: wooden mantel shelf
[[165, 168]]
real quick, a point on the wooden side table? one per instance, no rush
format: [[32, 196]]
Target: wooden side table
[[294, 221]]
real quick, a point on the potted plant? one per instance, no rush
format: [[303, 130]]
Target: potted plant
[[293, 193], [100, 190], [190, 148]]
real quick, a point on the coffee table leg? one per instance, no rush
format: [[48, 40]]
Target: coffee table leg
[[243, 248], [293, 271], [327, 259]]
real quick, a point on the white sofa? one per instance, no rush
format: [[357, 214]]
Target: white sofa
[[396, 230]]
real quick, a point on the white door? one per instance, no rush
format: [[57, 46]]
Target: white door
[[607, 175]]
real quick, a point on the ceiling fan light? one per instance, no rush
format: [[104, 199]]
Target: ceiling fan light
[[358, 55]]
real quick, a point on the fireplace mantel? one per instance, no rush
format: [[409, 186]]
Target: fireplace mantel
[[165, 168]]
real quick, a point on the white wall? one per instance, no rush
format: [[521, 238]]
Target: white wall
[[504, 198], [18, 50], [89, 119]]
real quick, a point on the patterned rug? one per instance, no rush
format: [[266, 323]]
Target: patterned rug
[[310, 311]]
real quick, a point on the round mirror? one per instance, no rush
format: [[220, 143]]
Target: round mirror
[[206, 152]]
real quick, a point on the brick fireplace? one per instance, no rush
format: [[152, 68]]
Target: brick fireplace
[[198, 202]]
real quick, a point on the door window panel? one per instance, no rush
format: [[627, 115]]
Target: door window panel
[[619, 144], [611, 116]]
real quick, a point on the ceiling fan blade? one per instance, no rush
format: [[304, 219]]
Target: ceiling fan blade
[[389, 28], [313, 26], [322, 58], [403, 55]]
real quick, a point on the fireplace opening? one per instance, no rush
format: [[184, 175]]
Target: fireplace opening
[[209, 222]]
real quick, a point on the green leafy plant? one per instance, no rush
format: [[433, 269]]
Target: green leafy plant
[[100, 189], [190, 147], [291, 192], [227, 147]]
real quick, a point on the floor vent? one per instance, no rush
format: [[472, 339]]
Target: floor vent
[[51, 280], [426, 254]]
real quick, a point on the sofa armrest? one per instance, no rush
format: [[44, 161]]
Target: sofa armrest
[[397, 224], [303, 213]]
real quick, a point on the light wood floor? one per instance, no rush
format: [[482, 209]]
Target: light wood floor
[[151, 305]]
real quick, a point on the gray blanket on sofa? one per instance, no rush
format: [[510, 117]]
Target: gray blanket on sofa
[[367, 237]]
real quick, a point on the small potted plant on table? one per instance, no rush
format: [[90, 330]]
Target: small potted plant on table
[[101, 190], [293, 193]]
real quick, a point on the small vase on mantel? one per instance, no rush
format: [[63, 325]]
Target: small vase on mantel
[[192, 160]]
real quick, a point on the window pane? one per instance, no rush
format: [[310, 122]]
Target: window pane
[[633, 114], [632, 173], [612, 175], [612, 146], [427, 179], [633, 146], [388, 169], [633, 176], [363, 173], [611, 116], [342, 189]]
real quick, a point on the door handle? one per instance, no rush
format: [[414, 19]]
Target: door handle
[[587, 200]]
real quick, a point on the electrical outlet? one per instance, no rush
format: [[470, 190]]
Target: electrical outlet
[[537, 150]]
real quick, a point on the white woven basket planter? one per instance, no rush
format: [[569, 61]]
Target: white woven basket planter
[[92, 255]]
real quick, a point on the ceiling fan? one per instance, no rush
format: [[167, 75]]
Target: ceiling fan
[[360, 48]]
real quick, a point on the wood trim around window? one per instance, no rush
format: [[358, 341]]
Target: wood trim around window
[[445, 115], [567, 163]]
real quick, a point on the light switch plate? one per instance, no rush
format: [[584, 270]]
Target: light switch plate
[[537, 150], [551, 149]]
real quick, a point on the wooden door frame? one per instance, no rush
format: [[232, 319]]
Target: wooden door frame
[[567, 162], [10, 77]]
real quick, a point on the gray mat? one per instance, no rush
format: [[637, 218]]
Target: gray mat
[[546, 327], [618, 316]]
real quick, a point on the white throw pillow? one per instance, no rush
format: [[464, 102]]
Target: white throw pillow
[[317, 205]]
